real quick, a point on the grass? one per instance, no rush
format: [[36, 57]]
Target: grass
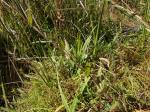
[[94, 58]]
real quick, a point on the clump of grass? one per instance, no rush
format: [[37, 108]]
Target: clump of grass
[[92, 63]]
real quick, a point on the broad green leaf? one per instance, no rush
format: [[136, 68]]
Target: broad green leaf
[[84, 84], [86, 44]]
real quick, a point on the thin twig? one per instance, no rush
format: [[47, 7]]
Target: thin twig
[[41, 42], [30, 58]]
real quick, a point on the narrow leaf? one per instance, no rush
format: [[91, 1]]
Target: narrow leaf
[[74, 104], [63, 98], [29, 13]]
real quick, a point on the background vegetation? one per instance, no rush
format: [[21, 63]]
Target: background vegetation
[[74, 55]]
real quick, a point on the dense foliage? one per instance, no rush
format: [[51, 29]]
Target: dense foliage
[[74, 55]]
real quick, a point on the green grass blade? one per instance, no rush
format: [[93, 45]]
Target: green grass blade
[[74, 104], [64, 99]]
